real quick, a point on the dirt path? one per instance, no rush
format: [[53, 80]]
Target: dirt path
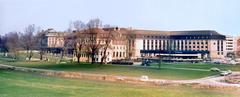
[[177, 68], [186, 69], [207, 82]]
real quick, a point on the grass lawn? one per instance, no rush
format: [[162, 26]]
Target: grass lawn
[[18, 84], [134, 71], [201, 66], [167, 72]]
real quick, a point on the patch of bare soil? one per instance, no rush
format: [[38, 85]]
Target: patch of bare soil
[[233, 78]]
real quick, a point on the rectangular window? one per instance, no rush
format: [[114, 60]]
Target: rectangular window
[[147, 44], [113, 54], [160, 44]]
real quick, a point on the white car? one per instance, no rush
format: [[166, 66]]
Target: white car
[[214, 69], [225, 73]]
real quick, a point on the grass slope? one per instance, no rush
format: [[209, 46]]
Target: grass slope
[[133, 71], [17, 84]]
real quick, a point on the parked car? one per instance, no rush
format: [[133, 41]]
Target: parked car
[[122, 62], [225, 73], [214, 69]]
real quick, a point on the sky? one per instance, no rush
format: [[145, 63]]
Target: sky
[[168, 15]]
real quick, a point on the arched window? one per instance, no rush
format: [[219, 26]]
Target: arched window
[[116, 54]]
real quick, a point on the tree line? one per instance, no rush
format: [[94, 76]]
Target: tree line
[[81, 38]]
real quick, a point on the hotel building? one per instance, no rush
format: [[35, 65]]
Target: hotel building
[[180, 45], [231, 44], [195, 45]]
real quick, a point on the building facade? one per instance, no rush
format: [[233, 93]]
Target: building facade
[[53, 41], [231, 44], [134, 44], [181, 45], [238, 47]]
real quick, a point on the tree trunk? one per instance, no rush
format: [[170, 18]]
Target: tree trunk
[[102, 59], [30, 55], [78, 59], [104, 56], [93, 58], [62, 54], [41, 55]]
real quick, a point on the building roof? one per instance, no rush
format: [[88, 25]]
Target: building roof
[[193, 32]]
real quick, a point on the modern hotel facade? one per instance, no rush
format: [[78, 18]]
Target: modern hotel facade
[[196, 45], [231, 44], [181, 45]]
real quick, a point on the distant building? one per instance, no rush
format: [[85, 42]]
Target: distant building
[[53, 41], [231, 44], [238, 47], [135, 44], [180, 45]]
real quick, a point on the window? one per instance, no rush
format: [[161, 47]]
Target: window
[[147, 44]]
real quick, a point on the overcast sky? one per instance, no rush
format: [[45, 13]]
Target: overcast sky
[[220, 15]]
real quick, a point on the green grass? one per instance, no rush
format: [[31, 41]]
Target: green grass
[[201, 66], [17, 84], [133, 71], [169, 71]]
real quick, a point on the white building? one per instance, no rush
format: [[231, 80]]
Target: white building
[[231, 44]]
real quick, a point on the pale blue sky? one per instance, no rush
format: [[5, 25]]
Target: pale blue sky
[[220, 15]]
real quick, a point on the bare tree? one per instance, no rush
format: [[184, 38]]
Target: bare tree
[[28, 41], [92, 34], [13, 43], [107, 37], [78, 39], [41, 42], [130, 36], [3, 44]]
